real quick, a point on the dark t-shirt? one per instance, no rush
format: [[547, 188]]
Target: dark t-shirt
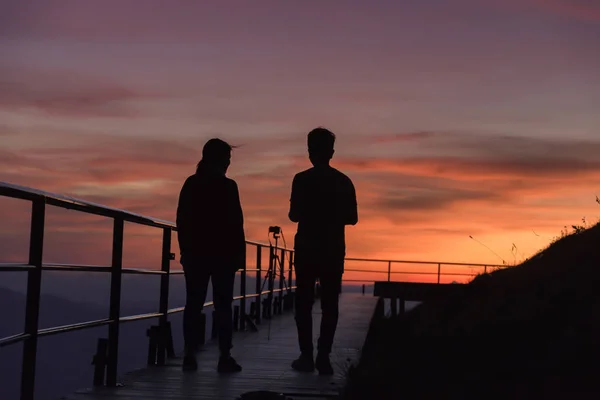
[[323, 201]]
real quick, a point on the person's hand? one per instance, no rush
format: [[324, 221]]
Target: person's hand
[[240, 263]]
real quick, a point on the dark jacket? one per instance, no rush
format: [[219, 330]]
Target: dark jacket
[[210, 223]]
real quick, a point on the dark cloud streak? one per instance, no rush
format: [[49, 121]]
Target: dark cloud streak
[[65, 94]]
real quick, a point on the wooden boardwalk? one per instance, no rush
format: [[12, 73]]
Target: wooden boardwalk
[[266, 363]]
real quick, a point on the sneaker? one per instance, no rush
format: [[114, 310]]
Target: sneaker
[[304, 363], [324, 365], [189, 363], [228, 364]]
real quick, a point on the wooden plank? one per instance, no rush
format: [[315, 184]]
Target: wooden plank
[[266, 362]]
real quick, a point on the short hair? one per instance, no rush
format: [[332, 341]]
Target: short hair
[[216, 149], [321, 139]]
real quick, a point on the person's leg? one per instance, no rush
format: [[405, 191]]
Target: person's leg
[[305, 292], [196, 283], [222, 282], [331, 282]]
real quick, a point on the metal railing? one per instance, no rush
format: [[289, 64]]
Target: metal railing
[[106, 359], [435, 272]]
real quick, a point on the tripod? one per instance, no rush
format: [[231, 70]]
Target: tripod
[[274, 264]]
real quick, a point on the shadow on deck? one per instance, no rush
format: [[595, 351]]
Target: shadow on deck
[[266, 363]]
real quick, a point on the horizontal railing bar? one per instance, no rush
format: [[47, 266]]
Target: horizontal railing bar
[[25, 193], [99, 268], [10, 267], [253, 243], [256, 270], [14, 339], [423, 273], [176, 272], [103, 211], [435, 273], [415, 273], [138, 271], [77, 268], [277, 290], [410, 272], [210, 303], [424, 262], [365, 270], [139, 317], [74, 327], [180, 309], [180, 272], [57, 200]]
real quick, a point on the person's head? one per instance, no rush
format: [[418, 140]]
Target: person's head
[[217, 155], [320, 146]]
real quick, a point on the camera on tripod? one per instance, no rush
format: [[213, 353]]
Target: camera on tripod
[[275, 230]]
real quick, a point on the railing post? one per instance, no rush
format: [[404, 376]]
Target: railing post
[[281, 279], [153, 334], [243, 299], [258, 283], [439, 272], [164, 295], [99, 362], [168, 339], [32, 310], [115, 303], [389, 271], [485, 269]]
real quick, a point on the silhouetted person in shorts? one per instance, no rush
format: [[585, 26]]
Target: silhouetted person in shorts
[[323, 202], [210, 229]]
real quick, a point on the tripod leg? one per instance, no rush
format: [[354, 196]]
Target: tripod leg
[[250, 323]]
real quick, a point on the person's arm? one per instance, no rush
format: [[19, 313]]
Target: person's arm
[[239, 238], [184, 210], [351, 217], [295, 203]]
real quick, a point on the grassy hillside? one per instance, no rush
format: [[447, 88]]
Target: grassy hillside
[[532, 331]]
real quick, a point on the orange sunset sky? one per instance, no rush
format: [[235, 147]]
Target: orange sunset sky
[[453, 117]]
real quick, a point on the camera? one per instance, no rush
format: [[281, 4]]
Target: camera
[[276, 230]]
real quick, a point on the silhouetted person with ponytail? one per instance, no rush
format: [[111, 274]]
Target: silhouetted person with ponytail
[[323, 202], [210, 229]]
